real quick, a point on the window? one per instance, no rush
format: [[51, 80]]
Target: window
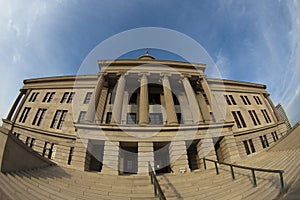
[[154, 99], [29, 141], [264, 141], [266, 116], [257, 100], [254, 117], [33, 96], [246, 147], [67, 97], [131, 118], [24, 114], [251, 146], [108, 117], [58, 119], [71, 96], [229, 99], [88, 97], [245, 100], [39, 116], [48, 97], [81, 117], [275, 136], [239, 120], [204, 96], [70, 155], [133, 99], [48, 150], [155, 118]]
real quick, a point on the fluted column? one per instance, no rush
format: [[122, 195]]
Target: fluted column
[[90, 114], [275, 111], [192, 100], [12, 110], [169, 102], [117, 107], [143, 107], [214, 105]]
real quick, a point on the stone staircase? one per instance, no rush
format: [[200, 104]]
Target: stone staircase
[[285, 155], [65, 184]]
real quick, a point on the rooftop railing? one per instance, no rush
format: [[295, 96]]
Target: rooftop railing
[[157, 189], [252, 169]]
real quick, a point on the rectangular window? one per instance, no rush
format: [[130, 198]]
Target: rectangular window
[[266, 115], [232, 99], [133, 99], [46, 97], [39, 116], [88, 97], [45, 149], [251, 145], [33, 96], [227, 99], [155, 118], [70, 155], [64, 98], [254, 117], [238, 124], [70, 98], [24, 115], [257, 100], [108, 117], [51, 97], [81, 117], [245, 100], [246, 147], [32, 142], [131, 118], [154, 99], [264, 141], [62, 119], [58, 119], [242, 119], [27, 140]]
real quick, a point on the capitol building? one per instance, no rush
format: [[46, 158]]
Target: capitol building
[[136, 112]]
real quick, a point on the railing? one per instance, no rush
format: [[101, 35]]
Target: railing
[[252, 169], [157, 189]]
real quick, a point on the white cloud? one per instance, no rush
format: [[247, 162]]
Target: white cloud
[[223, 63]]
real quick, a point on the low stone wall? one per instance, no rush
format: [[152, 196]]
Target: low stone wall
[[16, 156]]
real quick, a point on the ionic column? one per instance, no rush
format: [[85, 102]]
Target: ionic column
[[203, 107], [117, 107], [145, 154], [12, 110], [143, 107], [275, 111], [169, 102], [205, 148], [192, 100], [214, 105], [90, 114], [111, 158]]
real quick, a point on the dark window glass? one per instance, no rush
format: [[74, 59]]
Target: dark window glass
[[64, 98], [108, 118], [131, 118], [251, 145], [88, 97], [81, 117], [133, 99], [246, 147], [155, 118]]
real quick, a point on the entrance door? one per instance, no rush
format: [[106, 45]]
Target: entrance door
[[161, 157], [128, 158]]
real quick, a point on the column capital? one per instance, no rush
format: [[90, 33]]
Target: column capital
[[266, 95]]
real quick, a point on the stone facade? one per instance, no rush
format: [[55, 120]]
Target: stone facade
[[138, 110]]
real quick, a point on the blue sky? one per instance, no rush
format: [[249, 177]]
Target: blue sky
[[255, 41]]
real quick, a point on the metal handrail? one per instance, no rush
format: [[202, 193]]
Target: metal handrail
[[157, 189], [253, 169]]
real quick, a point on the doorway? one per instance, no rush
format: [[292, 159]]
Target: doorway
[[161, 157], [128, 158]]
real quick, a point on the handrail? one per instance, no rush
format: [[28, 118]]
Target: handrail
[[157, 189], [253, 169]]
